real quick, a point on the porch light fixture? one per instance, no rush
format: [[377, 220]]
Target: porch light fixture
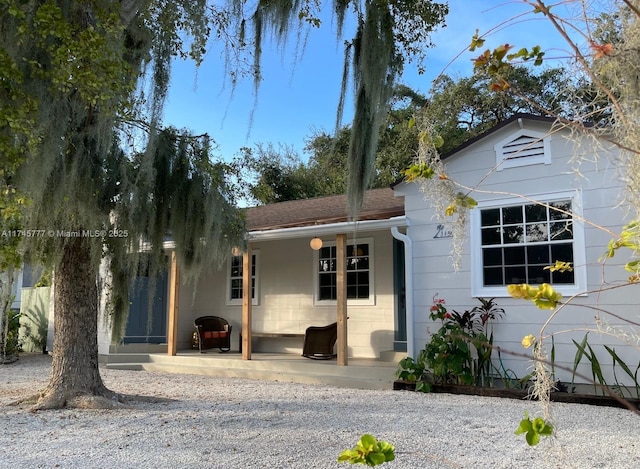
[[315, 243]]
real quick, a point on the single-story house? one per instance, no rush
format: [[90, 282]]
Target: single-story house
[[398, 258], [294, 286]]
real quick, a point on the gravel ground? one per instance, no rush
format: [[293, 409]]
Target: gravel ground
[[238, 423]]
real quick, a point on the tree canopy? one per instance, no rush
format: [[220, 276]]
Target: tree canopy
[[82, 77], [457, 109]]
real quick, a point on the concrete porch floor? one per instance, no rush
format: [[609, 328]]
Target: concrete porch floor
[[360, 373]]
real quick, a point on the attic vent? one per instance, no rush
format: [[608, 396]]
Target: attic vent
[[523, 149]]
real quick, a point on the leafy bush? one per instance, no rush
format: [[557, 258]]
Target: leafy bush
[[459, 352], [9, 343]]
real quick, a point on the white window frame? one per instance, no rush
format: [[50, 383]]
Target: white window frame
[[371, 301], [525, 156], [579, 287], [256, 281]]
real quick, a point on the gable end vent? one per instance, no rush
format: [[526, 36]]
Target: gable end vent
[[523, 147]]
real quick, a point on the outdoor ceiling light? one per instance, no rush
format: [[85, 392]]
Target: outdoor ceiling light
[[315, 243]]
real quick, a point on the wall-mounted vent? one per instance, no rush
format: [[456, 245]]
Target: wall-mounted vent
[[522, 149]]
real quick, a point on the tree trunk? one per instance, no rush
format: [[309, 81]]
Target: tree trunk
[[75, 378]]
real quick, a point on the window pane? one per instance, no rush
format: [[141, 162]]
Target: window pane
[[538, 254], [493, 276], [490, 217], [537, 232], [562, 205], [514, 256], [327, 265], [327, 293], [538, 275], [561, 230], [490, 236], [561, 252], [513, 234], [492, 256], [236, 266], [535, 212], [515, 274], [512, 215], [362, 250], [563, 277]]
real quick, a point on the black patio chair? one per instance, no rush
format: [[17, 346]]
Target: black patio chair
[[213, 332], [319, 342]]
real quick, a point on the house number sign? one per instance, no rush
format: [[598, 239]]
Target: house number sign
[[443, 232]]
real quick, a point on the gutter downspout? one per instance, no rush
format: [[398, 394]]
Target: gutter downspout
[[408, 273]]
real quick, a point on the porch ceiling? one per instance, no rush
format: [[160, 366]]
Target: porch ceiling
[[379, 204]]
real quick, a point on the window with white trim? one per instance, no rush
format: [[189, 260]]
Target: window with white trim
[[514, 242], [359, 260], [234, 279], [523, 148]]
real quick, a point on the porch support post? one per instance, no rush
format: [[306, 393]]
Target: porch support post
[[246, 303], [174, 287], [341, 296]]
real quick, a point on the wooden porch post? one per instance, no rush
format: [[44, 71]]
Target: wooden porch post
[[246, 303], [341, 284], [174, 287]]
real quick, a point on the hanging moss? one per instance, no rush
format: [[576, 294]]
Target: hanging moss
[[94, 75]]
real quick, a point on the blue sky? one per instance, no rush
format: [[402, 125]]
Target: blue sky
[[299, 97]]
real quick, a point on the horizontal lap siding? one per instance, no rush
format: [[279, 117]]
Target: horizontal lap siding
[[433, 273]]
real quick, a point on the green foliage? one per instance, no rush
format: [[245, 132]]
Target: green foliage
[[462, 108], [274, 174], [585, 350], [534, 429], [449, 352], [9, 341], [413, 371], [369, 451]]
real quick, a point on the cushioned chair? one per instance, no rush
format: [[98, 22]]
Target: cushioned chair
[[319, 342], [213, 332]]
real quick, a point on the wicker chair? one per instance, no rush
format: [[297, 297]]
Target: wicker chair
[[213, 332], [319, 342]]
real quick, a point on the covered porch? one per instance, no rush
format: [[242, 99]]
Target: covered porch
[[282, 283], [306, 264]]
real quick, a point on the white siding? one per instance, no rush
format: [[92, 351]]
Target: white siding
[[600, 193]]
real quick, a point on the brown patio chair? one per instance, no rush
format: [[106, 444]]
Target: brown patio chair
[[213, 332], [319, 342]]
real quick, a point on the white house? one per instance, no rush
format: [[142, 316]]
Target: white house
[[293, 285], [510, 240], [398, 258]]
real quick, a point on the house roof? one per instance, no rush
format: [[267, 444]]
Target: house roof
[[379, 204], [495, 128]]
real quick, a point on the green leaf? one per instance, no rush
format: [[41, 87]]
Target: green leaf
[[368, 441], [375, 459], [532, 438]]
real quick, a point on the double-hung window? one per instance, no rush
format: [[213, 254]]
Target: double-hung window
[[234, 279], [514, 242], [359, 261]]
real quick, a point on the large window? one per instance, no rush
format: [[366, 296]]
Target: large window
[[515, 242], [359, 273], [234, 283]]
